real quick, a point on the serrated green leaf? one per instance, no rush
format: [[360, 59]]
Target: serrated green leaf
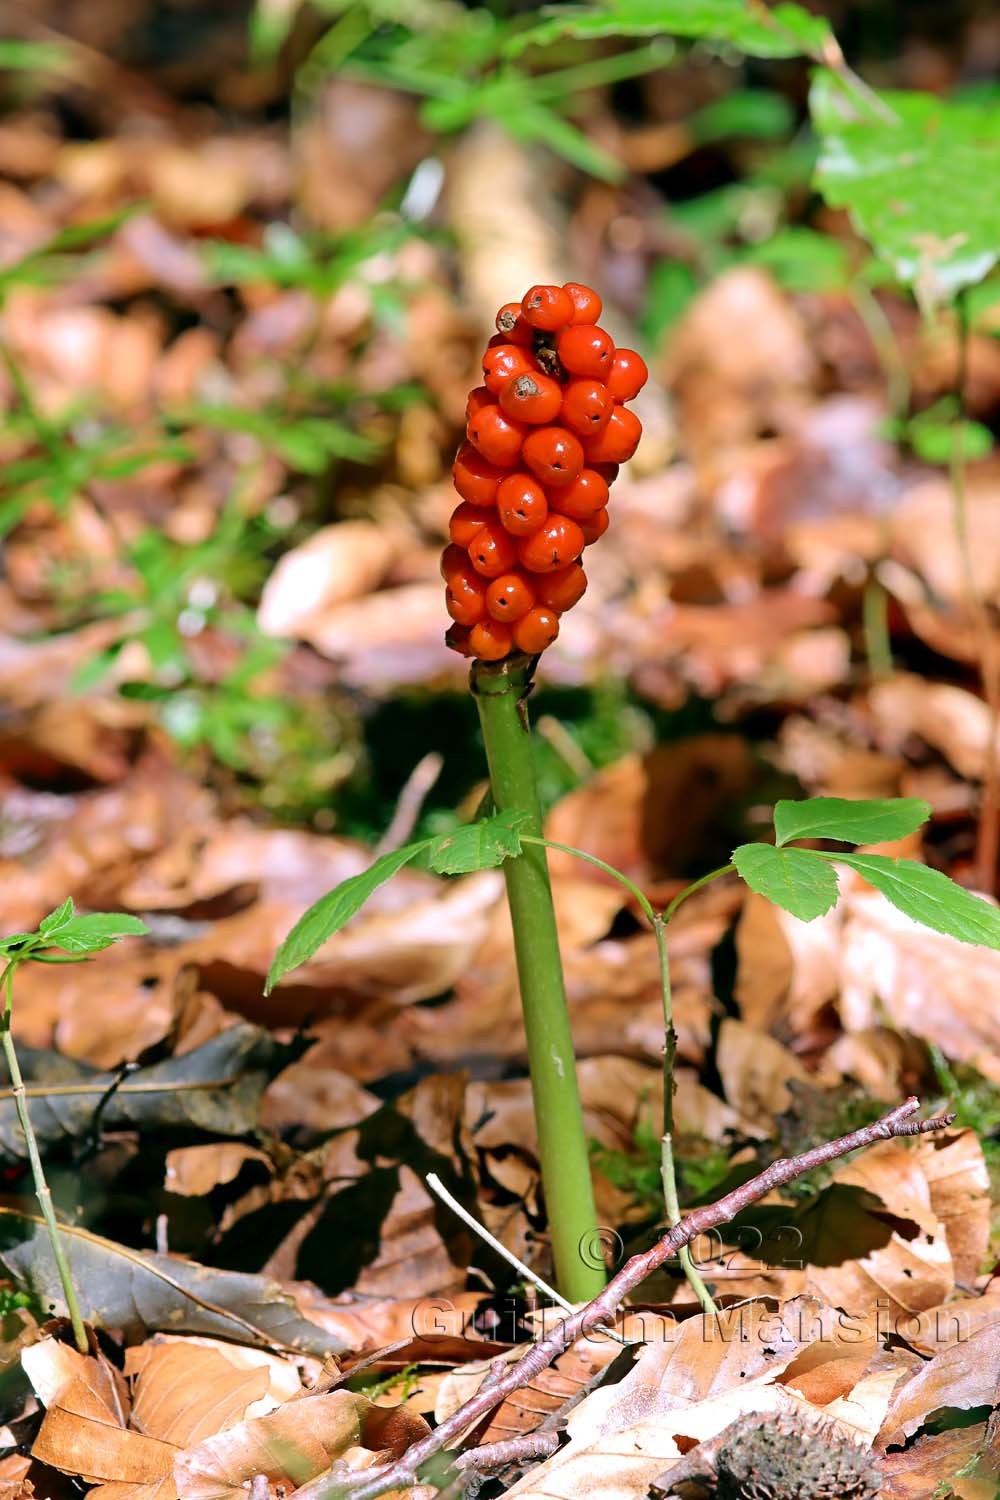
[[93, 931], [930, 898], [913, 181], [784, 30], [870, 821], [478, 846], [57, 918], [329, 914], [798, 880]]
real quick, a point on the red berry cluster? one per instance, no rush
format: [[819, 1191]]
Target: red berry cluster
[[546, 432]]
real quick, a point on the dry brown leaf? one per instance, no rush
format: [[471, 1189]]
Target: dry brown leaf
[[922, 528], [927, 984], [933, 1465], [84, 1429], [336, 564], [193, 1171], [185, 1392], [953, 720], [293, 1444], [963, 1375], [756, 1070], [681, 1390]]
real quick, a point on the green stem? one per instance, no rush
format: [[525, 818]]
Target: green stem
[[875, 624], [42, 1191], [500, 690], [658, 921]]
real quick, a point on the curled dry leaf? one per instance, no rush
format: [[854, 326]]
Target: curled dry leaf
[[295, 1443], [683, 1389], [951, 719], [137, 1292], [926, 984], [336, 564], [964, 1375]]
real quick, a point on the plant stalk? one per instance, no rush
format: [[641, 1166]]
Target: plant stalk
[[500, 690], [42, 1192]]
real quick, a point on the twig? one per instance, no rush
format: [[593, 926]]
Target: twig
[[411, 799], [173, 1086], [435, 1184], [42, 1191], [403, 1473], [509, 1451], [988, 832]]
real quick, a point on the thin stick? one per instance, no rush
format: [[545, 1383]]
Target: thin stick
[[500, 690], [509, 1451], [59, 1090], [418, 785], [42, 1191], [435, 1184], [988, 831], [403, 1473]]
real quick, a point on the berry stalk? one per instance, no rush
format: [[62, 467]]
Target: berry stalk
[[501, 689]]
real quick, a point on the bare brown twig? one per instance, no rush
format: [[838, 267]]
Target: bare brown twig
[[403, 1473]]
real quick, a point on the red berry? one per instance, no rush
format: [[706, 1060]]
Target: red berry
[[474, 478], [465, 521], [627, 376], [595, 526], [617, 440], [587, 305], [587, 493], [453, 560], [562, 589], [559, 542], [512, 325], [538, 629], [492, 550], [608, 472], [496, 437], [509, 597], [553, 455], [532, 398], [546, 307], [490, 640], [585, 350], [503, 362], [586, 406], [457, 638], [478, 398], [521, 504], [465, 597]]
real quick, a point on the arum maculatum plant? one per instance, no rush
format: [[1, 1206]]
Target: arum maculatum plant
[[545, 434]]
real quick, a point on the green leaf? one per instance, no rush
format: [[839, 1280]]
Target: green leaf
[[870, 821], [798, 880], [930, 898], [478, 846], [803, 260], [328, 915], [92, 932], [33, 57], [784, 30], [56, 919], [940, 434], [914, 181]]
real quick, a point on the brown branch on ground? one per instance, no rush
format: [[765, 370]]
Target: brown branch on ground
[[403, 1473], [509, 1451]]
